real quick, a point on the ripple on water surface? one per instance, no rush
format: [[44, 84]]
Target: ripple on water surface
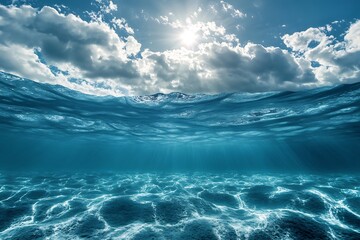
[[179, 206]]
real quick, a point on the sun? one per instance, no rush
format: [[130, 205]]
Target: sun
[[188, 37]]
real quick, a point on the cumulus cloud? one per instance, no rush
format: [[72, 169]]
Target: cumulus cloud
[[90, 50], [335, 61], [23, 61], [221, 67], [91, 57], [132, 46], [300, 41], [352, 37]]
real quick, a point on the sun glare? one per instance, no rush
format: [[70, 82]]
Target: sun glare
[[188, 37]]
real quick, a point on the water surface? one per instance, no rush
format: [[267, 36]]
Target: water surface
[[274, 165]]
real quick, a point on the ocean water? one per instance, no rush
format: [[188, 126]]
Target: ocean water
[[179, 206], [274, 165]]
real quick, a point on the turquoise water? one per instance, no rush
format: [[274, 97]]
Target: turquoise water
[[275, 165], [179, 206]]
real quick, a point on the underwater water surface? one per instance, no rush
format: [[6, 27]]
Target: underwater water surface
[[273, 165]]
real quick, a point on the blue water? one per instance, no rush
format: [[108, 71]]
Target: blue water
[[179, 206], [274, 165]]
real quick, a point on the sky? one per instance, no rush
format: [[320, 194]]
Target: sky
[[123, 47]]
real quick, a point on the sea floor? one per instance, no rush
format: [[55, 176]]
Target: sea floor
[[179, 206]]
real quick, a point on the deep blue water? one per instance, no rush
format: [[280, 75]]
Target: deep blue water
[[275, 165]]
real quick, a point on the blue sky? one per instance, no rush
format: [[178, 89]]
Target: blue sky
[[142, 47]]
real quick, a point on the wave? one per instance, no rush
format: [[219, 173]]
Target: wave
[[53, 138], [28, 106]]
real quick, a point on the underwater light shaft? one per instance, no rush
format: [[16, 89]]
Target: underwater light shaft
[[46, 125]]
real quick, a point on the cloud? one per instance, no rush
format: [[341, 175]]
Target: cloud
[[23, 61], [107, 6], [89, 50], [132, 46], [236, 13], [221, 67], [89, 56], [352, 37], [300, 41], [121, 23], [335, 61], [208, 31]]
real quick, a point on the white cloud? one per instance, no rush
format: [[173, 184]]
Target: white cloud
[[165, 19], [107, 6], [352, 37], [23, 61], [328, 27], [208, 31], [34, 41], [337, 61], [221, 67], [299, 41], [85, 50], [236, 13], [112, 7], [132, 46], [121, 23]]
